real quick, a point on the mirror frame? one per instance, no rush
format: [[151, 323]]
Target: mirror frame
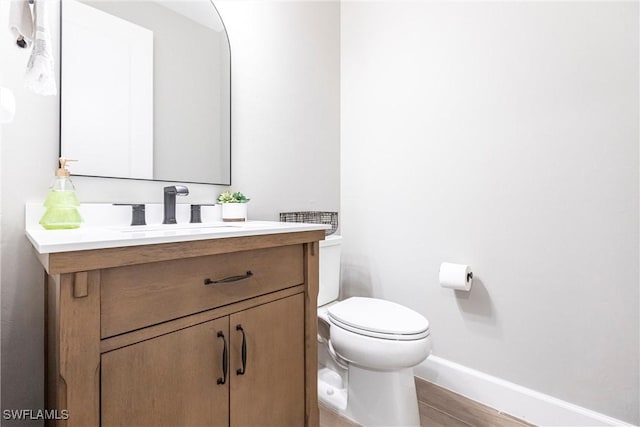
[[60, 95]]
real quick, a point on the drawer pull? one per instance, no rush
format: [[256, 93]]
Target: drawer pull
[[244, 351], [248, 274], [225, 360]]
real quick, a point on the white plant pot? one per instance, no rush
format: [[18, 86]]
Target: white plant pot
[[234, 212]]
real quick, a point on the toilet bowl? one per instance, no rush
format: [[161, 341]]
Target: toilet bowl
[[373, 346]]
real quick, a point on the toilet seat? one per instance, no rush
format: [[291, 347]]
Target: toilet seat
[[378, 318]]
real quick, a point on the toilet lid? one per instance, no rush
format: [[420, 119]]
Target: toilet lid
[[379, 318]]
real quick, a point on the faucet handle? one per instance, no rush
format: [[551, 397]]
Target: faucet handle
[[196, 214], [138, 215], [137, 212]]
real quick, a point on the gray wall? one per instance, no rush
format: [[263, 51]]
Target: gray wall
[[286, 103], [503, 135], [285, 154]]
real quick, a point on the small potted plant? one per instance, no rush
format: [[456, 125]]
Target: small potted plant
[[234, 206]]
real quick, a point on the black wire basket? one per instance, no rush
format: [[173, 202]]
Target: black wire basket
[[313, 217]]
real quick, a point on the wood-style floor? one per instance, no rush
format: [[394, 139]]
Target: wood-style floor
[[440, 408], [328, 418]]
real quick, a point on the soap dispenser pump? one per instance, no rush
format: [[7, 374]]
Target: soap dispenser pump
[[61, 204]]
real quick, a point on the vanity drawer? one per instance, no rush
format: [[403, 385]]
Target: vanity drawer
[[137, 296]]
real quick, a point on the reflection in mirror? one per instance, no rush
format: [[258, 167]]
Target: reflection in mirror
[[145, 90]]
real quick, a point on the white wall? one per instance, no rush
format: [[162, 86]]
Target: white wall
[[1, 82], [285, 129], [508, 133], [29, 151], [285, 103]]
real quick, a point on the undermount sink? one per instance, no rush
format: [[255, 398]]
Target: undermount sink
[[175, 227]]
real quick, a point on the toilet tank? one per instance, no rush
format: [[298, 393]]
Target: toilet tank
[[330, 250]]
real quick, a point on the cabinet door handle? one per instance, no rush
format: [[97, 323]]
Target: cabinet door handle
[[225, 360], [244, 351], [248, 274]]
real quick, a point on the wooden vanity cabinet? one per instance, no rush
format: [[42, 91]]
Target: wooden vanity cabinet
[[167, 381], [180, 378], [114, 360]]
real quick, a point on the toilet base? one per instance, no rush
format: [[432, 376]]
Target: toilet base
[[331, 390], [382, 398], [368, 397]]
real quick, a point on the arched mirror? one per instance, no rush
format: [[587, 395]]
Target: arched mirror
[[146, 90]]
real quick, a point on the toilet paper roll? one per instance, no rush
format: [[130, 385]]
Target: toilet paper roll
[[455, 276]]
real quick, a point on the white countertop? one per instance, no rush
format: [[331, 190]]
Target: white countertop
[[106, 226]]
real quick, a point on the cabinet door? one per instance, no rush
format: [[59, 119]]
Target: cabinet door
[[270, 391], [171, 380]]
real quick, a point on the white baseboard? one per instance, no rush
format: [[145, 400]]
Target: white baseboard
[[521, 402]]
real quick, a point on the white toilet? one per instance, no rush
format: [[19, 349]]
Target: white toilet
[[367, 350]]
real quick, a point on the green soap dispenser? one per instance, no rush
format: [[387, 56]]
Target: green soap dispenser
[[61, 204]]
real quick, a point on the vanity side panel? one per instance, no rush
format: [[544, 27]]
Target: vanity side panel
[[54, 387], [78, 331], [311, 278]]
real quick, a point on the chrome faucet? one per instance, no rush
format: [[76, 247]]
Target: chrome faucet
[[170, 194]]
